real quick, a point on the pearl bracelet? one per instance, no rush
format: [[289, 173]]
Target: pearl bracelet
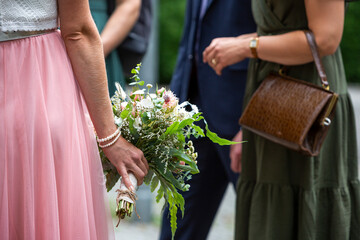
[[101, 140], [110, 143]]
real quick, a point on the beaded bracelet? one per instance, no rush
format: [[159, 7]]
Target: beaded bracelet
[[110, 143], [101, 140]]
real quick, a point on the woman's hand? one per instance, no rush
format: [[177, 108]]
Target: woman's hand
[[127, 158], [226, 51], [235, 153]]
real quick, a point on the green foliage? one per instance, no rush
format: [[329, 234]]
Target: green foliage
[[350, 46], [173, 211], [171, 18], [216, 139], [160, 194], [154, 183], [148, 177]]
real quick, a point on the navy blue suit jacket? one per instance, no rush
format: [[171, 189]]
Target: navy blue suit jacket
[[221, 97]]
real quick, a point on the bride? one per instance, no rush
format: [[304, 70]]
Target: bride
[[51, 84]]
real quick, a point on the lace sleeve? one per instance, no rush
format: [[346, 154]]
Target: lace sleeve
[[28, 15]]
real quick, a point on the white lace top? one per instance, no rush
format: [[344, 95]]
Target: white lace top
[[28, 15]]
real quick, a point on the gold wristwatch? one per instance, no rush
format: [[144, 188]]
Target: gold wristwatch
[[254, 43]]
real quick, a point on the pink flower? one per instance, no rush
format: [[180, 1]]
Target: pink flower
[[160, 91], [170, 100], [133, 113], [123, 105]]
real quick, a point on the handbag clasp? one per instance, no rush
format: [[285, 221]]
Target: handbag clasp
[[327, 121]]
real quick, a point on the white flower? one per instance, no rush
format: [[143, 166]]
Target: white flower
[[183, 114], [194, 108], [146, 103], [138, 92], [123, 105], [137, 123], [118, 121], [121, 92], [149, 85]]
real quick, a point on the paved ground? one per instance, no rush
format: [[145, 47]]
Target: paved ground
[[223, 225]]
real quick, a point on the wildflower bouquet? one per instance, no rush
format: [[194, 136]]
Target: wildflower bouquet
[[161, 128]]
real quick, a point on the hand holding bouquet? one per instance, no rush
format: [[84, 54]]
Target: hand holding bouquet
[[161, 127]]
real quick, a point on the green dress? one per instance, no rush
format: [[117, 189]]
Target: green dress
[[113, 65], [281, 194]]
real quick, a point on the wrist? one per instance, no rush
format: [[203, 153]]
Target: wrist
[[110, 139], [253, 47], [106, 130]]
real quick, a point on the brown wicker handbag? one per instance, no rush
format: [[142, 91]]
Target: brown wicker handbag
[[292, 112]]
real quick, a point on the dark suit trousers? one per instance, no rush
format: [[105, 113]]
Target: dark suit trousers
[[207, 188]]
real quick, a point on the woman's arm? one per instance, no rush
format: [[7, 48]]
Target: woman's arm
[[84, 48], [325, 20], [120, 23]]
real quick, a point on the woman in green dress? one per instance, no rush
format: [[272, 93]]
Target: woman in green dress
[[282, 194], [113, 30]]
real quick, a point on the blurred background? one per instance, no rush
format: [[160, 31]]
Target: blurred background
[[157, 68], [170, 22]]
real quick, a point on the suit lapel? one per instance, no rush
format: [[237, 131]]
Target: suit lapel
[[209, 4], [195, 8], [207, 7]]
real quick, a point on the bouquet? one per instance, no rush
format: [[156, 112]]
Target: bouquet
[[161, 127]]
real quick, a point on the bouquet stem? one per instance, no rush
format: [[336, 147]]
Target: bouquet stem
[[126, 199]]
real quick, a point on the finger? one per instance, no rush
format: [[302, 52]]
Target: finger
[[235, 156], [209, 52], [212, 58], [237, 164], [206, 53], [145, 162], [141, 161], [126, 179], [234, 167], [233, 164], [139, 174], [144, 167], [218, 69]]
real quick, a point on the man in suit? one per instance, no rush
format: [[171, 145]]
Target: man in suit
[[219, 98]]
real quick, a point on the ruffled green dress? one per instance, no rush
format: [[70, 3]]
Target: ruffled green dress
[[113, 65], [281, 194]]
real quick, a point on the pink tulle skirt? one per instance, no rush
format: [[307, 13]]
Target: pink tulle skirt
[[51, 180]]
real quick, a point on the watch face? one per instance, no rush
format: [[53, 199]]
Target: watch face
[[253, 43]]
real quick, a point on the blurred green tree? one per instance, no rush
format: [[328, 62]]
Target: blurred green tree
[[350, 45], [171, 18]]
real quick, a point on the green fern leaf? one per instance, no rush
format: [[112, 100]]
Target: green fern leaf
[[154, 183]]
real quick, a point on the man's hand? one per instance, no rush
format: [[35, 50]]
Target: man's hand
[[235, 153]]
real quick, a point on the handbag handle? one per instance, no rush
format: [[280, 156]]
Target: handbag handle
[[315, 52]]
